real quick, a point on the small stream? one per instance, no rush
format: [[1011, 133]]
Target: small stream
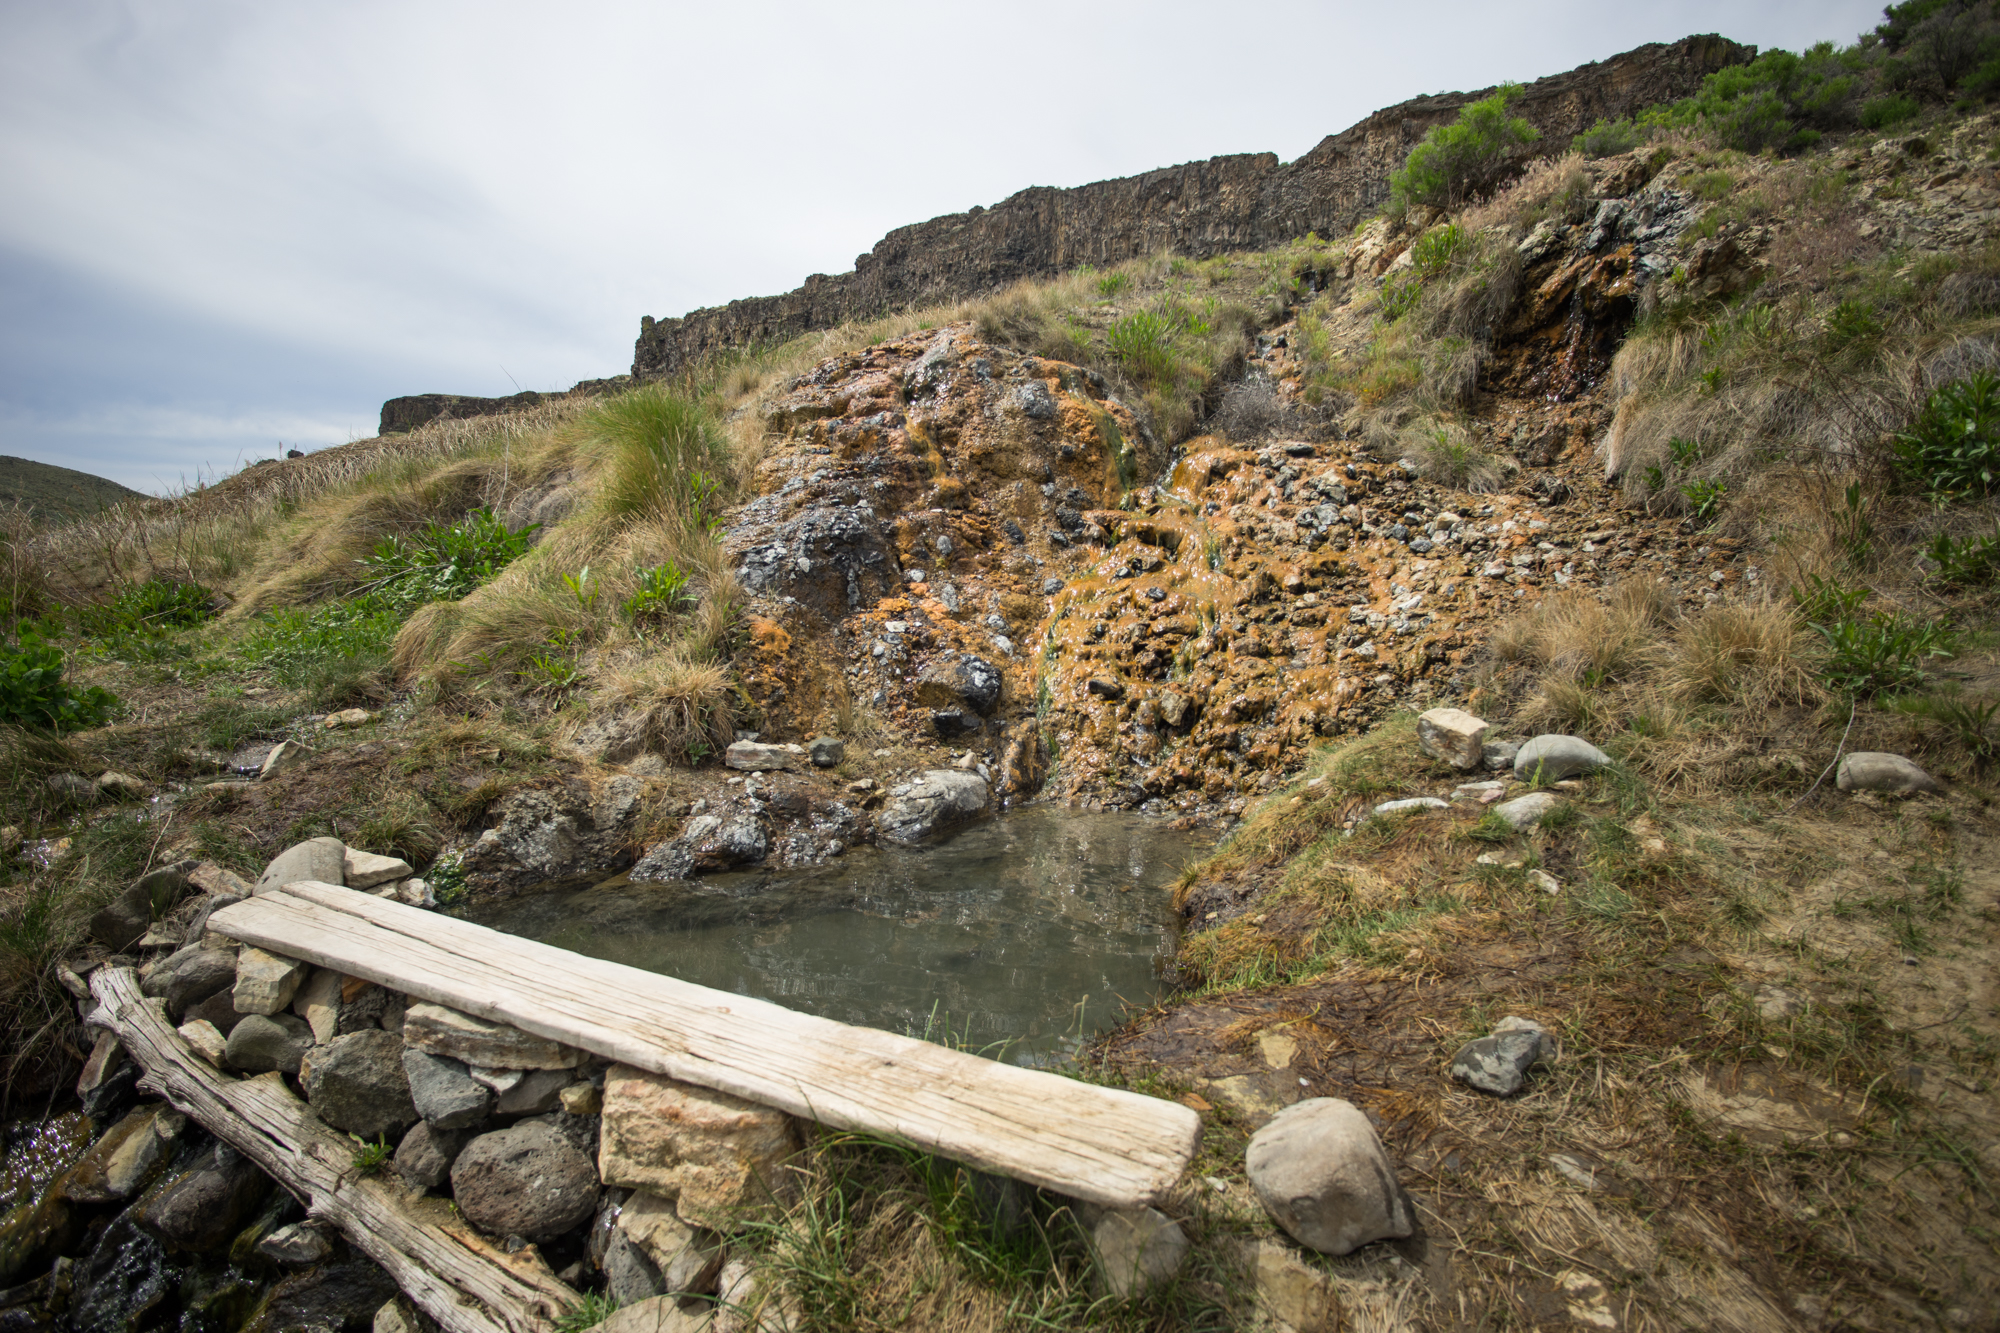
[[1034, 929]]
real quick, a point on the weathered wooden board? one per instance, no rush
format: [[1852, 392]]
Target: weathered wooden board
[[1104, 1145], [458, 1278]]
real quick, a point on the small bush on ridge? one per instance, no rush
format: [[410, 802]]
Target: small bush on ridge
[[1465, 158]]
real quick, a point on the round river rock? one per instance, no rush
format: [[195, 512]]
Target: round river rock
[[527, 1181]]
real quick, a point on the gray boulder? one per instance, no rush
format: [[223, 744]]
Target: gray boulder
[[826, 751], [1499, 1062], [1524, 812], [259, 1043], [1551, 757], [1873, 770], [932, 802], [1321, 1172], [190, 975], [1498, 756], [526, 1181], [444, 1091], [538, 1091], [1137, 1249], [630, 1276], [120, 923], [357, 1085], [425, 1155], [321, 859]]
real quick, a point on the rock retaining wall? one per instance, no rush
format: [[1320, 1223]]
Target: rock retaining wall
[[1245, 201]]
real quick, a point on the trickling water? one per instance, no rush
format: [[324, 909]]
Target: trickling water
[[1035, 928]]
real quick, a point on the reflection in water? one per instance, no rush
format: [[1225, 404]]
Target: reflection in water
[[1028, 929]]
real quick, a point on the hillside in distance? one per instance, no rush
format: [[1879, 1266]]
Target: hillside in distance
[[48, 491]]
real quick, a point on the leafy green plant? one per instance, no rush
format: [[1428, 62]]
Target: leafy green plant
[[35, 693], [443, 561], [1111, 284], [1853, 528], [1967, 563], [1435, 250], [1953, 449], [582, 589], [663, 590], [1824, 601], [1705, 496], [371, 1157], [1143, 343], [1466, 158], [553, 669], [1882, 654]]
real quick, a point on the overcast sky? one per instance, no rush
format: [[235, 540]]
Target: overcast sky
[[231, 225]]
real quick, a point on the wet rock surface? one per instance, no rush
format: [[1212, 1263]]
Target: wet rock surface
[[931, 803]]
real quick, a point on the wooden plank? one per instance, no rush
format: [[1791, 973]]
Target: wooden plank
[[447, 1268], [1103, 1145]]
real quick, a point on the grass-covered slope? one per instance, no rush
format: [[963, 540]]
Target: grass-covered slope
[[51, 492]]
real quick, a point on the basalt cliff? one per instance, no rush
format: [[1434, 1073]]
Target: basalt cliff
[[1242, 202]]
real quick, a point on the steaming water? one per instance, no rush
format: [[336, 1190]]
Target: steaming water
[[1034, 929]]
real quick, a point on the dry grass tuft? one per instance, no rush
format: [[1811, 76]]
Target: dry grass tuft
[[682, 707], [1727, 693]]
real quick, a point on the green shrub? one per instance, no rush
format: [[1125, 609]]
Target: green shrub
[[34, 693], [1111, 284], [1780, 100], [443, 562], [1953, 449], [1882, 654], [1465, 158], [1939, 44], [1889, 110], [1608, 138]]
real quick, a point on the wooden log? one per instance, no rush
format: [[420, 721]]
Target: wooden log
[[1103, 1145], [458, 1278]]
